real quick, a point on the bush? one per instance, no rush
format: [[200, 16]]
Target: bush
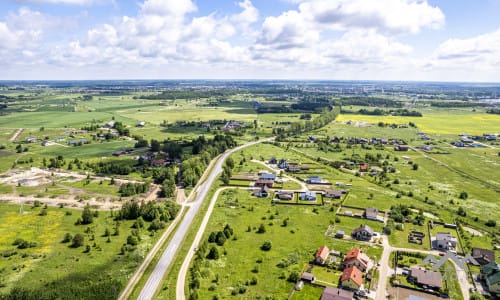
[[132, 240], [262, 229], [78, 240], [67, 238], [266, 246], [491, 223], [294, 276], [213, 253]]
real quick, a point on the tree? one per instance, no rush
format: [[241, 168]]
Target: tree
[[262, 229], [415, 167], [294, 276], [213, 253], [463, 195], [87, 216], [461, 212], [78, 240], [266, 246]]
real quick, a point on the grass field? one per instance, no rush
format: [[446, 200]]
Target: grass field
[[296, 240], [54, 264], [439, 121]]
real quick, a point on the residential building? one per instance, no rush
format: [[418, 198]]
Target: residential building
[[283, 164], [330, 293], [490, 273], [483, 256], [264, 182], [284, 195], [335, 194], [292, 167], [352, 278], [270, 176], [423, 277], [314, 180], [321, 255], [307, 196], [445, 241], [362, 233], [371, 213], [262, 192], [356, 257]]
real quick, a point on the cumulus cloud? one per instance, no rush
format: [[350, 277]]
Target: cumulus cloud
[[480, 52], [400, 16]]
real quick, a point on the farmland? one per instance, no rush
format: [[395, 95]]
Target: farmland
[[62, 150]]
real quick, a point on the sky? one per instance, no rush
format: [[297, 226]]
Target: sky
[[414, 40]]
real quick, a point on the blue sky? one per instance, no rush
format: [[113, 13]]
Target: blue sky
[[440, 40]]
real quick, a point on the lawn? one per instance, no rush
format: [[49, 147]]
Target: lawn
[[308, 292], [400, 238], [99, 273], [348, 224]]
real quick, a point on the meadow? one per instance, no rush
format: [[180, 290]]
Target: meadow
[[98, 271]]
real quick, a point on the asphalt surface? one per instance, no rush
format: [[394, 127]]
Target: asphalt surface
[[154, 280]]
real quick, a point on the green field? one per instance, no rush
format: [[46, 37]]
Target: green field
[[296, 241], [99, 273]]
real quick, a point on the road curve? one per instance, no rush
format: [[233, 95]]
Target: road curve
[[154, 280]]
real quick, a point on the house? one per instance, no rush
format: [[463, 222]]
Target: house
[[285, 195], [362, 233], [363, 168], [307, 277], [335, 194], [158, 163], [110, 124], [356, 257], [339, 234], [490, 273], [314, 180], [423, 277], [307, 196], [263, 192], [264, 182], [273, 161], [321, 255], [330, 293], [401, 148], [270, 176], [140, 124], [352, 278], [445, 241], [283, 164], [293, 167], [483, 256], [232, 125], [371, 213]]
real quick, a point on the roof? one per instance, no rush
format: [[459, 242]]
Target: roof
[[445, 236], [363, 228], [485, 254], [335, 193], [330, 293], [357, 254], [322, 252], [492, 272], [267, 176], [413, 297], [354, 274], [307, 276], [264, 181], [426, 277], [371, 212]]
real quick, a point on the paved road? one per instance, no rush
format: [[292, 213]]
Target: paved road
[[168, 256], [181, 279]]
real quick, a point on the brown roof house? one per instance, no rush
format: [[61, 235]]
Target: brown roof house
[[483, 256], [285, 195], [362, 233], [427, 278], [352, 278], [264, 182], [330, 293], [356, 257], [262, 192], [321, 255], [335, 194]]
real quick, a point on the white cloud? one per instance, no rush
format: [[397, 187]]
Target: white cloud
[[472, 55], [400, 16], [68, 2], [172, 8]]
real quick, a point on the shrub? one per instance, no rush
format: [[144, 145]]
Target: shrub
[[266, 246], [78, 240], [491, 223]]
